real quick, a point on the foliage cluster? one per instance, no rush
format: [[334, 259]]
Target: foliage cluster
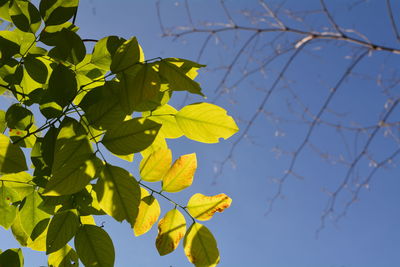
[[110, 100]]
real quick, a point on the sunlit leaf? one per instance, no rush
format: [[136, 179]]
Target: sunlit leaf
[[20, 182], [127, 55], [203, 207], [31, 212], [12, 158], [165, 115], [118, 193], [200, 246], [94, 246], [181, 173], [205, 122], [155, 166], [149, 211], [131, 136], [63, 226], [171, 229], [104, 51], [64, 257], [8, 212]]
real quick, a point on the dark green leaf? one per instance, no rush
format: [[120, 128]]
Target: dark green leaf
[[131, 136], [18, 117], [127, 55], [36, 69], [12, 159], [12, 258], [9, 44], [104, 51], [69, 47], [24, 15], [55, 12]]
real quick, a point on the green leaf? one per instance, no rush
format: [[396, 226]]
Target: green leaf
[[4, 7], [63, 226], [8, 212], [18, 232], [171, 229], [20, 182], [154, 166], [18, 117], [31, 213], [127, 55], [118, 193], [36, 68], [3, 124], [181, 173], [104, 51], [140, 84], [86, 202], [165, 115], [206, 123], [200, 246], [94, 246], [56, 12], [24, 15], [69, 47], [74, 163], [12, 159], [102, 107], [131, 136], [12, 258], [49, 34], [177, 78], [203, 207], [149, 211], [9, 44], [188, 67], [64, 257]]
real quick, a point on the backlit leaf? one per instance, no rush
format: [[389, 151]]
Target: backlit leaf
[[203, 207], [12, 258], [127, 55], [94, 246], [55, 12], [24, 15], [165, 115], [155, 166], [181, 173], [131, 136], [8, 212], [69, 47], [64, 257], [104, 50], [20, 182], [149, 211], [19, 117], [63, 226], [118, 193], [171, 229], [204, 122], [200, 246], [12, 159], [31, 212]]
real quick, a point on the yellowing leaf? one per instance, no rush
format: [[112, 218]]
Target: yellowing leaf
[[171, 229], [203, 207], [149, 211], [155, 166], [64, 257], [200, 246], [118, 193], [87, 220], [181, 173], [165, 115], [204, 122]]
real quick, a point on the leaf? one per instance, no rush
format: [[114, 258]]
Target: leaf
[[200, 246], [12, 258], [12, 158], [155, 166], [74, 163], [23, 138], [20, 182], [171, 229], [69, 47], [206, 123], [131, 136], [127, 55], [8, 212], [104, 51], [55, 12], [149, 211], [3, 124], [140, 84], [190, 68], [9, 44], [63, 226], [203, 207], [64, 257], [165, 115], [177, 78], [24, 15], [36, 68], [180, 175], [118, 193], [31, 213], [102, 107], [94, 246], [18, 117]]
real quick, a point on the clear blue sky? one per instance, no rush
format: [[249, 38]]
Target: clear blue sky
[[368, 236]]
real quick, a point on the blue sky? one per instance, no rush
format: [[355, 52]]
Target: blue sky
[[367, 236]]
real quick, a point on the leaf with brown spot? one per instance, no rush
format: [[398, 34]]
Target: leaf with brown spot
[[149, 211], [180, 175], [171, 229], [203, 207]]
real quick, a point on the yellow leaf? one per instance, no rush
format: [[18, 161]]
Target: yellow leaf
[[149, 211], [155, 166], [87, 219], [181, 173], [200, 246], [171, 230], [203, 207]]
